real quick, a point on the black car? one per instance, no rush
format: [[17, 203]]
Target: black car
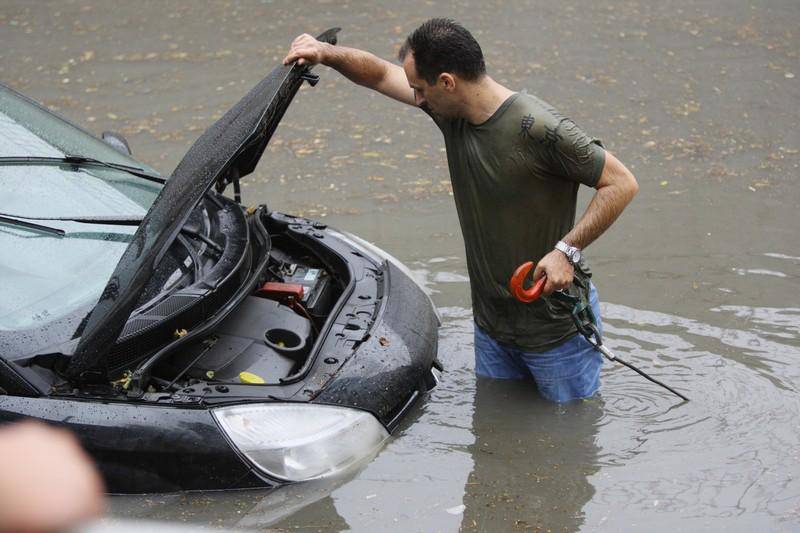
[[189, 342]]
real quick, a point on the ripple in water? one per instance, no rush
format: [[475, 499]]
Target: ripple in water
[[729, 453]]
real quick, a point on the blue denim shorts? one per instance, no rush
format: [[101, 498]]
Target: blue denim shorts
[[569, 371]]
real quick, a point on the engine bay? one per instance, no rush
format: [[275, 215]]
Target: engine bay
[[279, 290], [270, 334]]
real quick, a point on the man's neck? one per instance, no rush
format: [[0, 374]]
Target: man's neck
[[482, 99]]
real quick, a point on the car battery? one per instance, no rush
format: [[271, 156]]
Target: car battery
[[285, 293], [315, 282]]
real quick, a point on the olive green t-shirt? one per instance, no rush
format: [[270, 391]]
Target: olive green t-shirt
[[515, 181]]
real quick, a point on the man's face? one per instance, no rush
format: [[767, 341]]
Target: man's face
[[434, 97]]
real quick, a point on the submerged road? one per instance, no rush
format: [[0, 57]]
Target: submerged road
[[699, 279]]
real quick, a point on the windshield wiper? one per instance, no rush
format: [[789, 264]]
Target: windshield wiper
[[32, 226], [80, 161], [120, 220]]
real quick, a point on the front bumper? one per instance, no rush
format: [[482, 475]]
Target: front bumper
[[392, 367], [144, 448]]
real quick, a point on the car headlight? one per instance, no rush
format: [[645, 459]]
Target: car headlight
[[298, 442]]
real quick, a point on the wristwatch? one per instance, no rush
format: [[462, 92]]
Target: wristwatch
[[573, 254]]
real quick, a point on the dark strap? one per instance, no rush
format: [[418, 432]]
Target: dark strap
[[582, 315]]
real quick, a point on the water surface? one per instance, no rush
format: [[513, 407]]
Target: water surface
[[699, 279]]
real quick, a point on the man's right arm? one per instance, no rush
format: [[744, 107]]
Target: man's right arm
[[358, 66]]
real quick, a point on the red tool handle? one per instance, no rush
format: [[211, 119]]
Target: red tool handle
[[517, 284]]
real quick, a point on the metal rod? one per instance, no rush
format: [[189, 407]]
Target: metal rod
[[209, 343], [587, 329], [611, 357]]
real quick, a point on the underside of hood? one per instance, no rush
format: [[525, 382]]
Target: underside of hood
[[226, 151]]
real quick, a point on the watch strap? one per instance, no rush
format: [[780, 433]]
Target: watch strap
[[570, 251]]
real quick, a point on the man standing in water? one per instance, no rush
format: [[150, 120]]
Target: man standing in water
[[515, 165]]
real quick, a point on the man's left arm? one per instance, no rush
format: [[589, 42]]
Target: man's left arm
[[616, 187]]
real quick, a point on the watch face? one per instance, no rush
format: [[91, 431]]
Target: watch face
[[576, 257]]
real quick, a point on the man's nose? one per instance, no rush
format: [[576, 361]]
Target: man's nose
[[418, 98]]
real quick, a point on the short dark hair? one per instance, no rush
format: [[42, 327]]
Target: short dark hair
[[443, 45]]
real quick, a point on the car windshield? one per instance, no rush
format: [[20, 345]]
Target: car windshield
[[45, 275]]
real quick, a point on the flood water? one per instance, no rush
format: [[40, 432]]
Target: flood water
[[699, 279]]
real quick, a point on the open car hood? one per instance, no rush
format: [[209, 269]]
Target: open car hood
[[229, 149]]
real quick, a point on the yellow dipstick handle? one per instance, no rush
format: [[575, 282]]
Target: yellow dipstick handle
[[250, 378]]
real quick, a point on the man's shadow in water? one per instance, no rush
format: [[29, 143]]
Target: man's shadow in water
[[532, 459]]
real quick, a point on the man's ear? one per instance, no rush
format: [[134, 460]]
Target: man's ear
[[447, 81]]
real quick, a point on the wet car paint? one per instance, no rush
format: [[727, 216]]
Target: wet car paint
[[380, 311]]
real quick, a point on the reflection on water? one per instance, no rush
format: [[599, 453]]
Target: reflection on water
[[759, 271], [727, 459], [532, 459], [484, 455]]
